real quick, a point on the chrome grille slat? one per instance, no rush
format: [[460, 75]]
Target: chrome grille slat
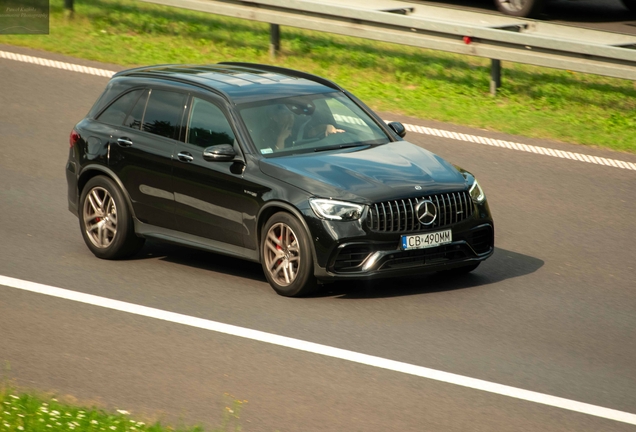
[[439, 216], [400, 215], [455, 210], [384, 213], [412, 215]]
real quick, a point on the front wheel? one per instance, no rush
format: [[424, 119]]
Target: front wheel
[[106, 222], [520, 8], [286, 256]]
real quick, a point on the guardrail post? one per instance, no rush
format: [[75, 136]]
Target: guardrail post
[[274, 40], [495, 76]]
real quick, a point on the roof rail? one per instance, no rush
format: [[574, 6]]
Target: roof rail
[[286, 71]]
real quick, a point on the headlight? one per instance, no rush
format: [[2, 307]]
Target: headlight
[[336, 210], [477, 193]]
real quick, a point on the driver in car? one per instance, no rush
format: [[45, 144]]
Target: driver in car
[[278, 131]]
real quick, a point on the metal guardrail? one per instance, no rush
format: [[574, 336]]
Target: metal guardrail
[[510, 39]]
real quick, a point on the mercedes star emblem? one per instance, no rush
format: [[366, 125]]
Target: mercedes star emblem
[[426, 212]]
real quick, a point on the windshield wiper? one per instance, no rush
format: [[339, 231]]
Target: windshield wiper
[[340, 146]]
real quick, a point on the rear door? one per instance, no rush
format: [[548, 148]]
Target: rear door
[[141, 153]]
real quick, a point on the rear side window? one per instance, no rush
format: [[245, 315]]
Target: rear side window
[[117, 111], [208, 125], [136, 115], [163, 113]]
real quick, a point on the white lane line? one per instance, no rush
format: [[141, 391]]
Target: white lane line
[[579, 157], [409, 127], [324, 350], [56, 64]]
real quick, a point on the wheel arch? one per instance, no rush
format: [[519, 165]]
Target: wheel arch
[[92, 171], [272, 207]]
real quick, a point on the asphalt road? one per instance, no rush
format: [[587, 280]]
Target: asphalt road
[[607, 15], [553, 311]]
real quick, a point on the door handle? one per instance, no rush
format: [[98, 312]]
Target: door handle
[[185, 157], [124, 142]]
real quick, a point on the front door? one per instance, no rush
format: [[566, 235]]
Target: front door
[[211, 198]]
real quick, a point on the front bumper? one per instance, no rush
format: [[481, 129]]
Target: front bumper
[[361, 260], [351, 251]]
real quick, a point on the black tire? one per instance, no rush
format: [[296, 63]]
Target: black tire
[[630, 4], [106, 221], [286, 256], [520, 8], [461, 270]]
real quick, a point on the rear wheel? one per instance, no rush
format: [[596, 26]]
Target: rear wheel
[[286, 256], [520, 8], [105, 220]]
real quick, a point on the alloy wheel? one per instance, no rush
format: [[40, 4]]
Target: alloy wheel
[[282, 254], [100, 217]]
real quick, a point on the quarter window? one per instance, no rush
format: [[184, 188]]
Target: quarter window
[[136, 115], [208, 125], [163, 113], [116, 112]]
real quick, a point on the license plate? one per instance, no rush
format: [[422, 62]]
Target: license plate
[[428, 240]]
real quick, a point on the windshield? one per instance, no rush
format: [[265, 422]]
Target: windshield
[[309, 123]]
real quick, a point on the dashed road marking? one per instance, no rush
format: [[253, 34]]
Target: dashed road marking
[[56, 64], [324, 350], [580, 157], [522, 147]]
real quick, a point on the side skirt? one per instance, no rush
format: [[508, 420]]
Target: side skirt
[[171, 236]]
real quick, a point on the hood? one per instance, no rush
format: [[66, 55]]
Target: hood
[[380, 173]]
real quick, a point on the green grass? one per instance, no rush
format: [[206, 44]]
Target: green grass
[[535, 102], [33, 412]]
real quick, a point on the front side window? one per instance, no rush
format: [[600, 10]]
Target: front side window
[[163, 113], [309, 123], [208, 125]]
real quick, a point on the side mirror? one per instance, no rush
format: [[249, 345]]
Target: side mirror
[[398, 128], [219, 153]]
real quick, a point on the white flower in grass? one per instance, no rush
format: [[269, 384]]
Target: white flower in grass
[[94, 422], [7, 413], [54, 400], [21, 415], [48, 425], [113, 427], [20, 428], [14, 396], [80, 416], [124, 412], [55, 413], [42, 420], [140, 424]]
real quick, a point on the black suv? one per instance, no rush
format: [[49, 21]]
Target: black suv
[[271, 165]]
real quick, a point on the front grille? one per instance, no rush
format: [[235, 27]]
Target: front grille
[[400, 215], [350, 258]]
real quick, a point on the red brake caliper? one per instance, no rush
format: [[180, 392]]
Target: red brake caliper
[[280, 239]]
